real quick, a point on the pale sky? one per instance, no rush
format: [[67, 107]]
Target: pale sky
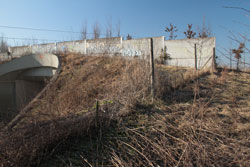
[[139, 18]]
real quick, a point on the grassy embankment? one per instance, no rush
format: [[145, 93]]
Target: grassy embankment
[[192, 122]]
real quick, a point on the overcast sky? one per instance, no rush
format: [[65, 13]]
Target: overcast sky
[[140, 18]]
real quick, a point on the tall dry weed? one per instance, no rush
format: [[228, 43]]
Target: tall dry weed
[[68, 106]]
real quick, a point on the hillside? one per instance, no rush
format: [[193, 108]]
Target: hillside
[[206, 123], [195, 120]]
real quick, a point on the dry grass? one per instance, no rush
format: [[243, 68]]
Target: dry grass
[[207, 126], [212, 129], [193, 122], [67, 107]]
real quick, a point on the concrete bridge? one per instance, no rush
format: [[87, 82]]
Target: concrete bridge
[[21, 79]]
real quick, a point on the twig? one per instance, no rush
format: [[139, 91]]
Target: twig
[[181, 156], [150, 163], [86, 161], [171, 136], [232, 7]]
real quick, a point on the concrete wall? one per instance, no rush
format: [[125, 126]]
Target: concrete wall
[[43, 48], [21, 79], [158, 46], [4, 57], [72, 46], [182, 52], [142, 47], [15, 95], [25, 91], [136, 47], [20, 51], [7, 92], [105, 45]]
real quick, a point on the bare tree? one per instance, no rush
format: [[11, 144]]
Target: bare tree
[[118, 28], [96, 30], [171, 30], [238, 52], [240, 8], [205, 30], [3, 46], [241, 39], [85, 30], [109, 32], [129, 37], [190, 33]]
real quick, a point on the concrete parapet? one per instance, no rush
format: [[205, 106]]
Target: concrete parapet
[[181, 52], [104, 45]]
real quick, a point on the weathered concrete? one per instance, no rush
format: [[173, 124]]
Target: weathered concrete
[[43, 48], [26, 63], [158, 46], [25, 91], [20, 51], [136, 47], [7, 92], [5, 57], [105, 45], [22, 78], [72, 47], [182, 52]]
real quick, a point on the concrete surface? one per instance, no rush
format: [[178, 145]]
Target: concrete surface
[[104, 45], [180, 51], [29, 62], [22, 78]]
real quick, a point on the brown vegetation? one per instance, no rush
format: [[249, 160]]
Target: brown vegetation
[[192, 122], [116, 82], [205, 123]]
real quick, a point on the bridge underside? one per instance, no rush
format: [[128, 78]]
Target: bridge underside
[[22, 79]]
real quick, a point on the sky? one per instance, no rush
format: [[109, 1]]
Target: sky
[[139, 18]]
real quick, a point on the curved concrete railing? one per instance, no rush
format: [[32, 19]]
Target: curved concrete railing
[[31, 65], [46, 62]]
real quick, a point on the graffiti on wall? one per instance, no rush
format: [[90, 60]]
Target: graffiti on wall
[[131, 52], [102, 48], [105, 48], [79, 48]]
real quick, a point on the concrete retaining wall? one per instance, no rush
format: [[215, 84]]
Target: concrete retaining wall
[[158, 46], [20, 51], [73, 46], [43, 48], [16, 94], [7, 92], [105, 45], [4, 57], [25, 91], [181, 51], [136, 47]]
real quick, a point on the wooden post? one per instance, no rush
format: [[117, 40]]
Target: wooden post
[[230, 61], [195, 57], [97, 139], [152, 69], [214, 60], [244, 62], [97, 114]]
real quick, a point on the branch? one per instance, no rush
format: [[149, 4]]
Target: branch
[[244, 24], [246, 10]]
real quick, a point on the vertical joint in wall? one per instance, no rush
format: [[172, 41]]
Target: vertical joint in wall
[[152, 68], [195, 57]]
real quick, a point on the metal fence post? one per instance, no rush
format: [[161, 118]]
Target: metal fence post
[[152, 69], [195, 57], [214, 60]]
